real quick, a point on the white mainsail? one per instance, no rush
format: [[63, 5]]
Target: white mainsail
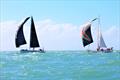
[[101, 40]]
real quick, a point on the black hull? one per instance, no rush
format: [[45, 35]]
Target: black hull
[[25, 51]]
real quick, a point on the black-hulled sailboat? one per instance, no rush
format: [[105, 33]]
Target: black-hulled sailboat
[[20, 39], [87, 38]]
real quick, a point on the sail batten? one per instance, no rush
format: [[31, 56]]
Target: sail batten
[[20, 39], [33, 36]]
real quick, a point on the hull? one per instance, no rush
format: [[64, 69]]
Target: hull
[[106, 50], [101, 50], [25, 51]]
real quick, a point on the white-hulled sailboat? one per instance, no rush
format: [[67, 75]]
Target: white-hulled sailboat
[[101, 46], [87, 38], [20, 39]]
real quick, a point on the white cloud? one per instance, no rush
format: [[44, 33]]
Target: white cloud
[[52, 35], [112, 37], [7, 35]]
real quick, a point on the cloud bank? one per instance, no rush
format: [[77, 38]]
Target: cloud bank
[[54, 36]]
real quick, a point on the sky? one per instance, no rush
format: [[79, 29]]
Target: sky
[[58, 23]]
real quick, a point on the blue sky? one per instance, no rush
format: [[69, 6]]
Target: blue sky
[[75, 12], [63, 11]]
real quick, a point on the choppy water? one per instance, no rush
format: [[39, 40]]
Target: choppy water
[[59, 65]]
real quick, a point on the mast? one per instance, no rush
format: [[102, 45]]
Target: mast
[[98, 44], [101, 42], [20, 39], [98, 35], [33, 36]]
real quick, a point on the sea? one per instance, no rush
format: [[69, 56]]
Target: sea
[[59, 65]]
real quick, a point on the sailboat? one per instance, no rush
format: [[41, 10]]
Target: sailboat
[[87, 38], [20, 39], [101, 46]]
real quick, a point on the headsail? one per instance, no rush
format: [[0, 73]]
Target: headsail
[[20, 39], [86, 35], [33, 36], [102, 43]]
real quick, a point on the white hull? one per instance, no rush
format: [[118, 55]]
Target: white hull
[[108, 50], [105, 49]]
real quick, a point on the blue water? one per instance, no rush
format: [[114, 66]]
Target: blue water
[[59, 65]]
